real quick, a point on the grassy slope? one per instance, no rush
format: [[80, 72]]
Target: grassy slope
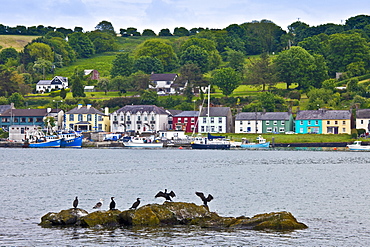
[[15, 41]]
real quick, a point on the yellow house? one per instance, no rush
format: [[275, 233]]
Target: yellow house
[[336, 122], [87, 119]]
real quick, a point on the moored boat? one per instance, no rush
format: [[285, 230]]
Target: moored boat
[[210, 142], [357, 146], [38, 139], [70, 139], [143, 142], [261, 143]]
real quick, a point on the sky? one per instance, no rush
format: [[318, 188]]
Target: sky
[[160, 14]]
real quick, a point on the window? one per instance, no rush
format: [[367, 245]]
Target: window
[[267, 122], [281, 130], [220, 120], [152, 118], [219, 128], [275, 122], [241, 122], [336, 122], [327, 122], [344, 122], [71, 117], [185, 120], [128, 127], [316, 122], [128, 118], [212, 128], [100, 127], [362, 121], [39, 120], [192, 120], [122, 118], [249, 129], [282, 122], [89, 117], [249, 122], [269, 129], [79, 117], [100, 118], [202, 129], [212, 119], [114, 118], [309, 122], [23, 120], [71, 126], [145, 118], [30, 120], [138, 118], [301, 122], [300, 130], [179, 120], [344, 130], [204, 120], [241, 129]]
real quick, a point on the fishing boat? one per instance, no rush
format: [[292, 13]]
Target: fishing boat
[[261, 143], [143, 142], [357, 146], [38, 139], [210, 142], [70, 139]]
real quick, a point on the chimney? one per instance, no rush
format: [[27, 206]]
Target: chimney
[[48, 110], [106, 110], [79, 106], [12, 106], [88, 106]]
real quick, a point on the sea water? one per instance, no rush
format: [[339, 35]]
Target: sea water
[[328, 191]]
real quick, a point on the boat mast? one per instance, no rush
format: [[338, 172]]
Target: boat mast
[[208, 120]]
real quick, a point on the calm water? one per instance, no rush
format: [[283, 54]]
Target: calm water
[[328, 191]]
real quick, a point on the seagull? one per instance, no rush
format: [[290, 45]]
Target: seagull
[[98, 204], [75, 202], [204, 199], [166, 195], [112, 204], [136, 204]]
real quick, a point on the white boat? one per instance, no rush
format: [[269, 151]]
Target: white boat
[[358, 147], [143, 142], [261, 143]]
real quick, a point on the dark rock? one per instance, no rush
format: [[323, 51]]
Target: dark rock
[[65, 217]]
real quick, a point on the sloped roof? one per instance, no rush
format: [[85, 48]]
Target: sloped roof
[[25, 112], [162, 77], [188, 114], [85, 110], [363, 113], [323, 114], [215, 112], [44, 82], [133, 109], [174, 112], [262, 116], [3, 108]]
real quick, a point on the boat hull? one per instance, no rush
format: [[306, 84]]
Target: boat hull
[[358, 148], [72, 143], [255, 145], [143, 145], [210, 146], [48, 144]]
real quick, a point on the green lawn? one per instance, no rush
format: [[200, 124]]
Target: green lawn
[[16, 41]]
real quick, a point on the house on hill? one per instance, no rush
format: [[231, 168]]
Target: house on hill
[[57, 83], [92, 73], [166, 84]]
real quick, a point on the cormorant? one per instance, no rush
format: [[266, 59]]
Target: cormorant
[[98, 204], [204, 199], [75, 202], [136, 204], [166, 195], [112, 204]]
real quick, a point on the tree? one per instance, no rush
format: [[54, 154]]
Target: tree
[[38, 50], [122, 65], [122, 84], [261, 72], [191, 73], [42, 66], [165, 32], [196, 55], [271, 102], [321, 97], [102, 41], [104, 84], [9, 81], [159, 49], [63, 93], [81, 44], [148, 32], [181, 31], [149, 97], [148, 65], [106, 27], [236, 59], [226, 79], [8, 53], [296, 65], [17, 99], [77, 86]]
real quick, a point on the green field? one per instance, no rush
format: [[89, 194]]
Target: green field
[[15, 41]]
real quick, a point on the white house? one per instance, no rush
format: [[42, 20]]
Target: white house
[[163, 83], [363, 119], [139, 118], [57, 83], [219, 120], [248, 122]]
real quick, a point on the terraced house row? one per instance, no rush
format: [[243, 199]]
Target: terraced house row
[[151, 118]]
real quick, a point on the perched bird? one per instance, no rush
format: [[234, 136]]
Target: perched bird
[[112, 204], [98, 204], [166, 195], [135, 204], [75, 202], [204, 199]]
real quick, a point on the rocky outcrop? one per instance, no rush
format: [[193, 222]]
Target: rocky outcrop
[[170, 213]]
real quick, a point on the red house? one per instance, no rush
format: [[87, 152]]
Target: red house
[[186, 121]]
